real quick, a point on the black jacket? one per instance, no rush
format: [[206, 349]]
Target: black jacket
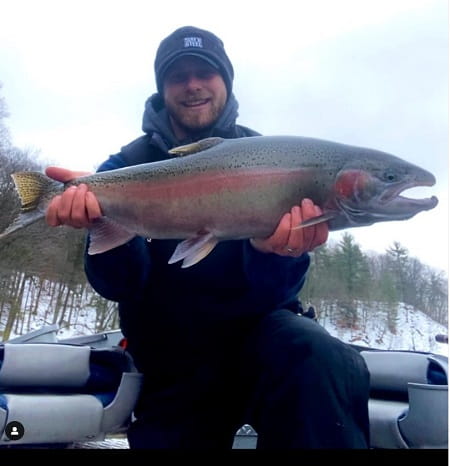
[[177, 318]]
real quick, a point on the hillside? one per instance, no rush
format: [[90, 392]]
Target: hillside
[[373, 325], [413, 330]]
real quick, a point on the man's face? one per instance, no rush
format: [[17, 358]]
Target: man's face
[[195, 95]]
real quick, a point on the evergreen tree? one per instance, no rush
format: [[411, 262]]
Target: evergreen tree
[[353, 268], [397, 263]]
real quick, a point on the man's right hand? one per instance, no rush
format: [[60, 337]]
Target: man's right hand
[[76, 206]]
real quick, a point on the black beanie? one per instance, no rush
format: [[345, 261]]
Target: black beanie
[[190, 40]]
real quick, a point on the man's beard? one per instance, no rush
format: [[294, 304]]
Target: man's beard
[[192, 123]]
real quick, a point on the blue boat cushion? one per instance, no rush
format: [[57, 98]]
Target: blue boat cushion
[[436, 374]]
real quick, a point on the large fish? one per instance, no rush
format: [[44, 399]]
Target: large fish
[[224, 189]]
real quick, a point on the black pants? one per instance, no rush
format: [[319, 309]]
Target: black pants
[[296, 385]]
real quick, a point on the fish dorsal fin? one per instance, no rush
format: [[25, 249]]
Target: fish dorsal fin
[[193, 250], [105, 234], [195, 147]]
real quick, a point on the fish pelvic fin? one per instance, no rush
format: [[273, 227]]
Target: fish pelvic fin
[[198, 146], [193, 250], [35, 191], [105, 234], [315, 220]]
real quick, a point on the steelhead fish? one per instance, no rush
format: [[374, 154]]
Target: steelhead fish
[[224, 189]]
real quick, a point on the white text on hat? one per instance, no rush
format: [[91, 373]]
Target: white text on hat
[[193, 42]]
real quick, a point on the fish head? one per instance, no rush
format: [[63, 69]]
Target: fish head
[[369, 190]]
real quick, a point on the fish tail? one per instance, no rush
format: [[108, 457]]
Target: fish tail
[[35, 191], [32, 188]]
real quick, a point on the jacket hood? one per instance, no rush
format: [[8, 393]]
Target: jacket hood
[[156, 120]]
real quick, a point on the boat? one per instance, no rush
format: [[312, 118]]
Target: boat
[[82, 390]]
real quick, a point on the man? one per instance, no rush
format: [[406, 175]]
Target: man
[[221, 343]]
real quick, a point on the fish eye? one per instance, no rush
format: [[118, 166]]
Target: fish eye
[[390, 176]]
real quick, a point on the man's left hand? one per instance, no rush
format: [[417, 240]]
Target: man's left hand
[[287, 241]]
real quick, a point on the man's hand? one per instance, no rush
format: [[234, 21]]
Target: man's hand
[[286, 241], [76, 206]]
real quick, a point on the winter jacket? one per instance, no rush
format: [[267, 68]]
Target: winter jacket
[[174, 318]]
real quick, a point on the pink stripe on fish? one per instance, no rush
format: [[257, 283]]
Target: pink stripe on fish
[[207, 183]]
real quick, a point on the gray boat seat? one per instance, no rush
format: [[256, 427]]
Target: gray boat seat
[[64, 393], [408, 405]]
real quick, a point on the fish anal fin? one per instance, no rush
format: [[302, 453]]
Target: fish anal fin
[[193, 250], [315, 220], [105, 234], [195, 147]]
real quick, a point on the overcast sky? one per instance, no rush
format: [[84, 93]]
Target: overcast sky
[[76, 74]]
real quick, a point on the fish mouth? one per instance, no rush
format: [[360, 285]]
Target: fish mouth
[[392, 199]]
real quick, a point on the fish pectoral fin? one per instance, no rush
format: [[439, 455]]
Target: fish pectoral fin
[[193, 250], [105, 234], [194, 147], [315, 220]]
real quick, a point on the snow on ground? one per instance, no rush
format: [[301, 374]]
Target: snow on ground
[[414, 330]]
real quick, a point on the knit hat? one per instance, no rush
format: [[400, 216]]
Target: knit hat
[[196, 42]]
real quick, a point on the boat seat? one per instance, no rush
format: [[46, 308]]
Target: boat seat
[[408, 406], [63, 393]]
